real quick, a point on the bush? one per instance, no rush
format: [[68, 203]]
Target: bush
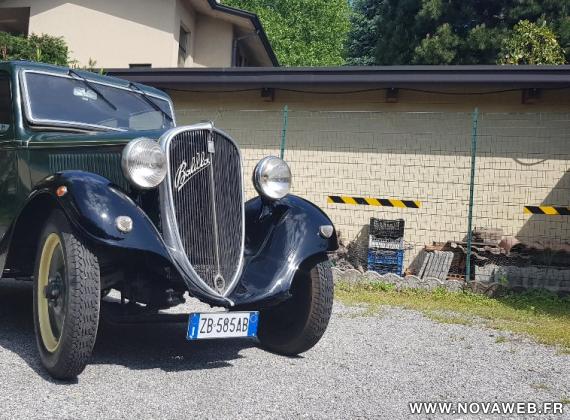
[[531, 44], [43, 48]]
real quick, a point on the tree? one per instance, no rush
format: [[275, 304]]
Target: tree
[[303, 32], [448, 31], [440, 48], [362, 41], [531, 44]]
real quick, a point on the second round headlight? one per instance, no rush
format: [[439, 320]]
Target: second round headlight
[[272, 178], [144, 163]]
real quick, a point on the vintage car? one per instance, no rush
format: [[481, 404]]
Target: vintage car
[[100, 190]]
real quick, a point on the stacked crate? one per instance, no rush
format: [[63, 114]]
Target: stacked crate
[[386, 246]]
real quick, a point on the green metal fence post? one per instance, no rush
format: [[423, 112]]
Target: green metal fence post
[[474, 123], [284, 131]]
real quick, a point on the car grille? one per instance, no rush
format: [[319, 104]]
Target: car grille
[[207, 203], [106, 164]]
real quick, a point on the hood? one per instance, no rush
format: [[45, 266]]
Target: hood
[[63, 139]]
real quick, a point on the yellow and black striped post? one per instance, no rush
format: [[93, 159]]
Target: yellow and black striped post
[[548, 210], [369, 201]]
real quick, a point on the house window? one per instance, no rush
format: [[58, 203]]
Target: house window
[[15, 20], [183, 46]]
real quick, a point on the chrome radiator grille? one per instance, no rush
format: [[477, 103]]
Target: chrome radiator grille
[[207, 199]]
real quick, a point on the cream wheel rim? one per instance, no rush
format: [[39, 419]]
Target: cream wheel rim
[[51, 293]]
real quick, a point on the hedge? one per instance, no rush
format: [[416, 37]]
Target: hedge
[[44, 48]]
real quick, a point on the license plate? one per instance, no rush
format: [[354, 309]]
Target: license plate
[[222, 325]]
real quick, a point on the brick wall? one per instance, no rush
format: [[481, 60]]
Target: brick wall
[[416, 150]]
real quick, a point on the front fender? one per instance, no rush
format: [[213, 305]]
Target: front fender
[[279, 238], [92, 203]]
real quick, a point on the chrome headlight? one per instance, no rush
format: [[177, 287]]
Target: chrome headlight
[[144, 163], [272, 178]]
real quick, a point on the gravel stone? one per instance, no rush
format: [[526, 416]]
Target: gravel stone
[[365, 367]]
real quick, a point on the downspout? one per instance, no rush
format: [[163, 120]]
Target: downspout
[[235, 45]]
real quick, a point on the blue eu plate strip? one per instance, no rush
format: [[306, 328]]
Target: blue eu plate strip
[[193, 326], [253, 321]]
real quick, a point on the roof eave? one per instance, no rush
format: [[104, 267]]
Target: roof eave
[[256, 23], [393, 76]]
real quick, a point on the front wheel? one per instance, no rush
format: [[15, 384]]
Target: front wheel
[[297, 324], [66, 299]]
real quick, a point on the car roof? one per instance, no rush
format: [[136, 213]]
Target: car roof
[[32, 65]]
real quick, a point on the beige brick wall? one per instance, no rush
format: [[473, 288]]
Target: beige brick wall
[[418, 149]]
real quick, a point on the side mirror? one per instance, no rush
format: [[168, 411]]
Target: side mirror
[[4, 128]]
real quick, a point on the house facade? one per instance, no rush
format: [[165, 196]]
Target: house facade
[[145, 33]]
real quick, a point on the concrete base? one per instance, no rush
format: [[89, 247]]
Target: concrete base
[[530, 277], [407, 282]]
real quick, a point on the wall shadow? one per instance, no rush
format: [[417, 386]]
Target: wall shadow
[[550, 229]]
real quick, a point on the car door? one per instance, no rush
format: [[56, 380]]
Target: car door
[[8, 161]]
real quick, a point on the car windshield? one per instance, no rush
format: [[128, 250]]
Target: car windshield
[[72, 101]]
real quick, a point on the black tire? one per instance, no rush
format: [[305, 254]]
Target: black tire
[[66, 322], [296, 325]]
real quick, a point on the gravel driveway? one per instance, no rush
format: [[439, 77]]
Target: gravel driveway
[[364, 367]]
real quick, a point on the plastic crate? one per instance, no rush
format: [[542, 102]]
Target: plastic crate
[[385, 268], [385, 243], [386, 256], [384, 228], [385, 261]]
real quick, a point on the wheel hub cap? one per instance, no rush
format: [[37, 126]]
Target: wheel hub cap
[[53, 290]]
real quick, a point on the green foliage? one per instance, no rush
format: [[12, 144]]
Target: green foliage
[[361, 43], [303, 32], [539, 313], [44, 48], [391, 23], [90, 66], [390, 32], [441, 48], [531, 44]]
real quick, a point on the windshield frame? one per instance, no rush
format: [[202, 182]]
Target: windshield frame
[[78, 124]]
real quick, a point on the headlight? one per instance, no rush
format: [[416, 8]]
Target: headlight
[[272, 178], [144, 163]]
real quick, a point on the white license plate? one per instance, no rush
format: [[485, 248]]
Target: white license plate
[[222, 325]]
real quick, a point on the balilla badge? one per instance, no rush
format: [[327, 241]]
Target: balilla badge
[[185, 173]]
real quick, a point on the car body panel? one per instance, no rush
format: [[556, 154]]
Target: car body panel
[[280, 236]]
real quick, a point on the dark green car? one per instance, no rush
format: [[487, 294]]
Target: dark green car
[[100, 191]]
